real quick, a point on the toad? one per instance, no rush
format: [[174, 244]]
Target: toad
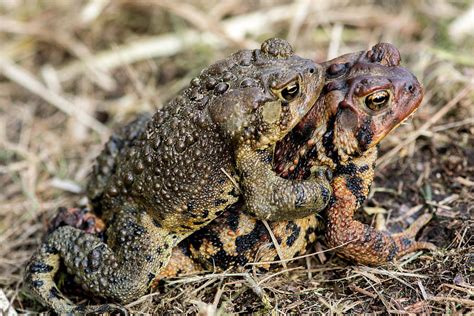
[[160, 179], [366, 95]]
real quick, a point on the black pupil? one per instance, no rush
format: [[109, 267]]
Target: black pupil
[[290, 92], [379, 99], [376, 102]]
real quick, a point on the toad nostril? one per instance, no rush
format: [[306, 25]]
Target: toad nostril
[[410, 87]]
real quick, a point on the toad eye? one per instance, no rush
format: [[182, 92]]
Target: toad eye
[[377, 100], [291, 91]]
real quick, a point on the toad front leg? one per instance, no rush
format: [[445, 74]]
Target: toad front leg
[[271, 197], [120, 270], [354, 239]]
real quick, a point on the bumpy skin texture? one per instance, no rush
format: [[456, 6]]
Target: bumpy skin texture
[[341, 132], [161, 179], [328, 135]]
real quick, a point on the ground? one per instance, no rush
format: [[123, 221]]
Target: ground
[[71, 71]]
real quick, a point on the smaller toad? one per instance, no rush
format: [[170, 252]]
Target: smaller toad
[[365, 97]]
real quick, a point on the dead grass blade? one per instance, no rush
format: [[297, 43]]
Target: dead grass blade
[[276, 244], [23, 78]]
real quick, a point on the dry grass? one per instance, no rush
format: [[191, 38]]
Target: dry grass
[[70, 71]]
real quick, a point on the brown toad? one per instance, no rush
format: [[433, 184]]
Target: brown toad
[[366, 95], [161, 179]]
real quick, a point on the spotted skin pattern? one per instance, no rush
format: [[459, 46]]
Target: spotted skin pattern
[[235, 238], [358, 241], [162, 178], [341, 133]]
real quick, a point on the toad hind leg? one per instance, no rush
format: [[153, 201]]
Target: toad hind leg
[[358, 241], [120, 270]]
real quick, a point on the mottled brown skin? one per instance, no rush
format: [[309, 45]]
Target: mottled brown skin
[[340, 132], [161, 179]]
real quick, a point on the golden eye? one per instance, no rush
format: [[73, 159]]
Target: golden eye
[[291, 91], [377, 100]]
